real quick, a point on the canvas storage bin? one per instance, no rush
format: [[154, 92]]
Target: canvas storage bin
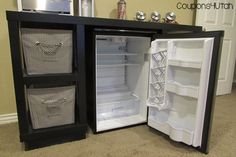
[[51, 106], [47, 51]]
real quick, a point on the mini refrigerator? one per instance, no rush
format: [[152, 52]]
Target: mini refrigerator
[[166, 81]]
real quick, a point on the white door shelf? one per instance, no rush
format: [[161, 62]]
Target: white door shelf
[[183, 90], [179, 126], [177, 134], [187, 49], [185, 63]]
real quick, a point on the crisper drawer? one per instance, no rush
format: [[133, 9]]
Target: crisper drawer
[[122, 108], [51, 106], [47, 50]]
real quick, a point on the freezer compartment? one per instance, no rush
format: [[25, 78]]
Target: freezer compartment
[[178, 125], [121, 80], [110, 44]]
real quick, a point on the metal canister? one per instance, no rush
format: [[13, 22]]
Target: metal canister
[[121, 9], [155, 16], [140, 16], [170, 16]]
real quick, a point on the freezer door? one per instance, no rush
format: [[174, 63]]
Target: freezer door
[[182, 84]]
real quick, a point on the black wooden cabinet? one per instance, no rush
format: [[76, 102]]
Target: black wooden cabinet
[[86, 31], [34, 138]]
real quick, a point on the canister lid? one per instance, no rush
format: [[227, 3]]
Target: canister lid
[[141, 16], [155, 16], [170, 16]]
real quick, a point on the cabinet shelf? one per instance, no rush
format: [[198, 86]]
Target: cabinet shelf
[[185, 63], [183, 90], [49, 78]]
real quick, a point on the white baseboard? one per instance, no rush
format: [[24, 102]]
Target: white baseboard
[[8, 118]]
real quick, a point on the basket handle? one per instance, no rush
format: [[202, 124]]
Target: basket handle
[[49, 49], [53, 101], [53, 106]]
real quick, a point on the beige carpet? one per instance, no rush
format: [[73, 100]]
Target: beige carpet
[[137, 141]]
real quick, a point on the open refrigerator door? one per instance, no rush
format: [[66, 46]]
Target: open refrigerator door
[[178, 85]]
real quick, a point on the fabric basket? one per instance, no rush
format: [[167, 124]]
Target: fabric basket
[[51, 106], [47, 51]]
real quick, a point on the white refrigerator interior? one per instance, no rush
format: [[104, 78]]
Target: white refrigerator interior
[[170, 76], [122, 77]]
